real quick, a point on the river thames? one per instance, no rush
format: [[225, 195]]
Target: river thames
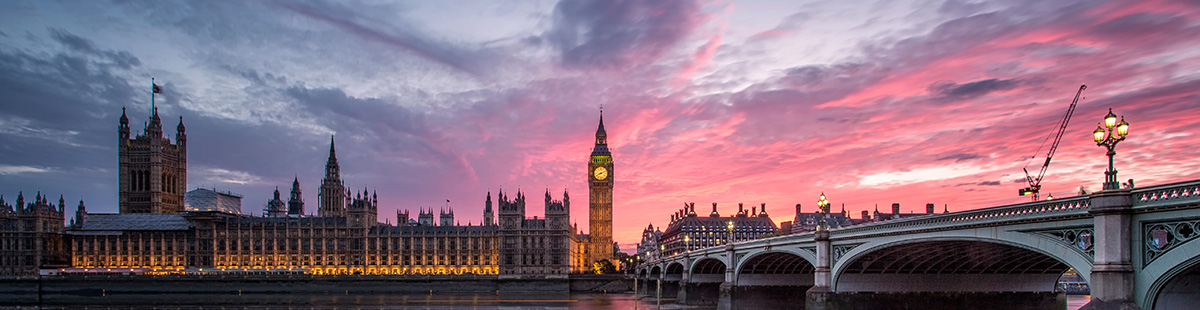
[[430, 301]]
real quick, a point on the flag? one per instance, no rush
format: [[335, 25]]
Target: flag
[[157, 90]]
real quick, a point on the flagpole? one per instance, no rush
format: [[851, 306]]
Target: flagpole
[[152, 107]]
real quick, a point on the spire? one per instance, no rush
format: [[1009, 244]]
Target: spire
[[180, 128], [124, 119], [600, 131], [332, 153]]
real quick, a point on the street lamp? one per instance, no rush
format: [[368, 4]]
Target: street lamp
[[730, 226], [824, 205], [687, 243], [1107, 134]]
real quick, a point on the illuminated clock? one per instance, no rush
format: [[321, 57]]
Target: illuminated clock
[[600, 173]]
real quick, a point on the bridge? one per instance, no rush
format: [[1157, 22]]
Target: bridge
[[1133, 247]]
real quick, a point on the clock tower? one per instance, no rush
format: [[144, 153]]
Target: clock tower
[[600, 185]]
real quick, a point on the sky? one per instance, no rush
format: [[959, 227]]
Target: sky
[[776, 102]]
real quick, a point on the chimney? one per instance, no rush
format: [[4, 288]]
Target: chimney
[[866, 215], [754, 211], [741, 212], [929, 208], [895, 208]]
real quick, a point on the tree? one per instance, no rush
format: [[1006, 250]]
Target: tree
[[604, 267]]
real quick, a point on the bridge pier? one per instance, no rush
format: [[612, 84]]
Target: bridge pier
[[1112, 274], [819, 296], [725, 296], [703, 294]]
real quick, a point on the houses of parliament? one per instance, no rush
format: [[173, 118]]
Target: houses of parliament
[[155, 234]]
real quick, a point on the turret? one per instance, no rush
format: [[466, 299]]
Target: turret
[[488, 215], [714, 211], [123, 127], [763, 213], [180, 133], [80, 214]]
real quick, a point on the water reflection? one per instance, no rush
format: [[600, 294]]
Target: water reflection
[[540, 300]]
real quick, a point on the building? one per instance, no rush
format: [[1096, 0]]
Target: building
[[598, 244], [344, 238], [688, 231], [208, 233], [31, 235], [895, 215], [811, 221], [203, 199], [648, 248], [153, 171], [532, 245], [332, 197]]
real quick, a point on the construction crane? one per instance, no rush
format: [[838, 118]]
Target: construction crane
[[1035, 184]]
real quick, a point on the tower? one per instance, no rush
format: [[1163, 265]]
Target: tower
[[446, 218], [296, 200], [600, 185], [487, 211], [275, 207], [152, 171], [332, 198]]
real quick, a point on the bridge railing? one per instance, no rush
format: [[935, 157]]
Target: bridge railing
[[1057, 207], [1172, 194], [1175, 194]]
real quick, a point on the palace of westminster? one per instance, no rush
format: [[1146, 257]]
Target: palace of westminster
[[154, 233]]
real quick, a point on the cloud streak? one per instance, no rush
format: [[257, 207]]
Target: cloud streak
[[946, 106]]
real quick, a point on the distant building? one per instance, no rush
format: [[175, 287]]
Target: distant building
[[687, 231], [648, 248], [31, 236], [810, 221], [152, 170], [203, 199], [895, 215]]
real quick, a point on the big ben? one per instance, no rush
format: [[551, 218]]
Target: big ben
[[600, 185]]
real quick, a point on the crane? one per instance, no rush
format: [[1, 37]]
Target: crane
[[1035, 184]]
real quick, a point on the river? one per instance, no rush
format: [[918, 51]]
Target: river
[[434, 301]]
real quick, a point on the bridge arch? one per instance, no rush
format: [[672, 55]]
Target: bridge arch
[[1177, 274], [774, 268], [707, 270], [674, 272], [810, 257], [941, 263], [656, 272]]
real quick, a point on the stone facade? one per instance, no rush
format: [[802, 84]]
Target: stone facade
[[31, 235], [153, 171]]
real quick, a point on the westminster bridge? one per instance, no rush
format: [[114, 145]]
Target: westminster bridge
[[1134, 247]]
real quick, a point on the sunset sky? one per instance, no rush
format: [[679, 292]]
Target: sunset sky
[[870, 102]]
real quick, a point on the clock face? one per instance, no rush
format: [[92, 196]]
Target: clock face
[[600, 173]]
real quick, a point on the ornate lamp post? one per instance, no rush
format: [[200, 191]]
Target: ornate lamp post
[[687, 243], [824, 205], [730, 226], [1108, 134]]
